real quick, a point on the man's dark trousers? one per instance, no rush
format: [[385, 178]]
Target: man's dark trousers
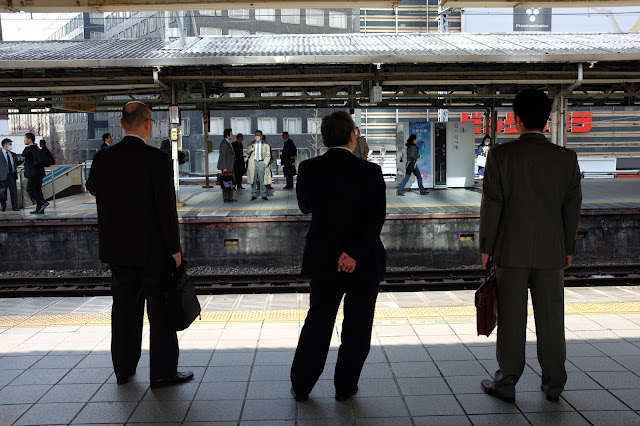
[[547, 295], [313, 346], [130, 286], [9, 185], [34, 189]]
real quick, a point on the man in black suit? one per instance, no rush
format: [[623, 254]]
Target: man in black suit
[[528, 223], [239, 169], [226, 163], [8, 175], [106, 140], [34, 173], [288, 159], [141, 243], [343, 255]]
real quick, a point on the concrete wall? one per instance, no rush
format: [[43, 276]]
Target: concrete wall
[[428, 243]]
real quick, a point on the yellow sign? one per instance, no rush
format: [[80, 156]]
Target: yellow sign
[[174, 134], [81, 106]]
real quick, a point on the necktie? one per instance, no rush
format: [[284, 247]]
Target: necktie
[[9, 162], [258, 151]]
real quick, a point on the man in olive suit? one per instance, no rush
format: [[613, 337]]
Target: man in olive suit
[[528, 224]]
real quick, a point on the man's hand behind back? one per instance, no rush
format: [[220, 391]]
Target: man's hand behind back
[[177, 257], [346, 263]]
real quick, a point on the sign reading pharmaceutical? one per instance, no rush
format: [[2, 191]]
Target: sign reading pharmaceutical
[[532, 19], [422, 129]]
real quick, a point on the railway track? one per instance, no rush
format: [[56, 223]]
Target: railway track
[[449, 279]]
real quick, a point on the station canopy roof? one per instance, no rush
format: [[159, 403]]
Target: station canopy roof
[[337, 70], [540, 3]]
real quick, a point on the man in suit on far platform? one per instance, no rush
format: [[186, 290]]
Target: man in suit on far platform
[[34, 173], [141, 244], [288, 159], [9, 175], [226, 162], [528, 223], [239, 168], [106, 140], [343, 255]]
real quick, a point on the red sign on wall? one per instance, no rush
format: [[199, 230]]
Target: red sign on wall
[[577, 122]]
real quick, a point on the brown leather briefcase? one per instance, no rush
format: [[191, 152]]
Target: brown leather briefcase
[[487, 303]]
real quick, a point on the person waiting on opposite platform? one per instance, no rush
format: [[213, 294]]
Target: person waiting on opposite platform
[[141, 244], [362, 147], [288, 159], [226, 163], [239, 168], [9, 175], [528, 223], [412, 166], [259, 155], [481, 154], [106, 141], [343, 255], [34, 174]]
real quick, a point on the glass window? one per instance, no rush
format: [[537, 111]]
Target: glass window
[[100, 116], [239, 13], [313, 126], [241, 125], [107, 21], [153, 23], [127, 33], [337, 19], [98, 132], [211, 12], [238, 32], [210, 31], [216, 126], [263, 33], [186, 127], [265, 14], [290, 16], [292, 125], [144, 27], [96, 18], [268, 125], [97, 35], [315, 17], [136, 31]]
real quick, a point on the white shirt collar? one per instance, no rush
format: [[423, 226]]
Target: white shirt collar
[[341, 147], [137, 136]]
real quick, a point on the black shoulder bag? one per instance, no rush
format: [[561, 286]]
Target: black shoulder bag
[[183, 306]]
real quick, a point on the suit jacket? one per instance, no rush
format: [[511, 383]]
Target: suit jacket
[[137, 218], [104, 145], [4, 167], [266, 158], [238, 165], [227, 158], [30, 169], [530, 203], [346, 198], [289, 151]]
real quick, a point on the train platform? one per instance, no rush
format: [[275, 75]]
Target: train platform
[[207, 204], [424, 368]]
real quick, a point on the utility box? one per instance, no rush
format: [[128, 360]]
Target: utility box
[[460, 154]]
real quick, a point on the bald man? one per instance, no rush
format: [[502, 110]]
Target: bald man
[[140, 240]]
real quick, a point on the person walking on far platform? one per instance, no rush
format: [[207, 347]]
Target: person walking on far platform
[[106, 141], [259, 156], [239, 168], [9, 175], [288, 159], [226, 162], [362, 147], [412, 166], [140, 240], [343, 255], [34, 173], [528, 223]]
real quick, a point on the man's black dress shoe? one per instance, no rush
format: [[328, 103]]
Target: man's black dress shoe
[[15, 209], [38, 211], [265, 198], [345, 396], [179, 377], [488, 386], [550, 398], [122, 380], [4, 207], [253, 198], [298, 397]]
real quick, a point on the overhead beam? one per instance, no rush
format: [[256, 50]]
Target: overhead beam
[[55, 6], [539, 3]]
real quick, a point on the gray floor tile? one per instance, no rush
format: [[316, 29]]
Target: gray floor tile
[[111, 392], [618, 418], [194, 359], [485, 404], [461, 368], [423, 386], [442, 421], [631, 397], [70, 393], [106, 412], [415, 369], [618, 349], [377, 387], [49, 376], [223, 359], [50, 414], [536, 402], [24, 394], [433, 405], [630, 362], [270, 373], [279, 389], [379, 407], [466, 384], [392, 421], [182, 392], [590, 364], [407, 355], [325, 408], [372, 371], [87, 375], [96, 361], [275, 358], [269, 423], [160, 412], [617, 380], [222, 391], [209, 411], [7, 376], [557, 418], [456, 353], [227, 374], [56, 361], [580, 381], [10, 413], [21, 362], [499, 420], [593, 400], [280, 409]]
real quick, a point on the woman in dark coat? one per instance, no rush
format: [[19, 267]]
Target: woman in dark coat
[[412, 166]]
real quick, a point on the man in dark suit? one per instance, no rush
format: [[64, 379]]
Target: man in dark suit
[[239, 168], [343, 255], [226, 162], [106, 140], [141, 243], [34, 173], [8, 175], [288, 159], [528, 224]]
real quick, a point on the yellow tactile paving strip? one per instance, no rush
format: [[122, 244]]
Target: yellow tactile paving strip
[[299, 315]]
